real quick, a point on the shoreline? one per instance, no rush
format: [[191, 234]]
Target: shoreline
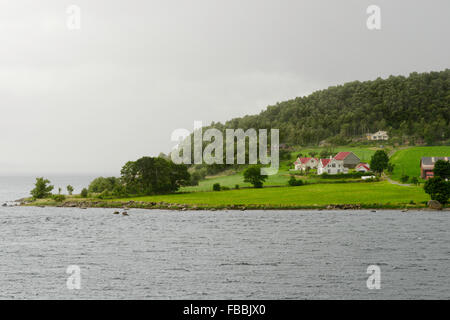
[[202, 207]]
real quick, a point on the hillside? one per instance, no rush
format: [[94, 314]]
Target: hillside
[[407, 161], [413, 108]]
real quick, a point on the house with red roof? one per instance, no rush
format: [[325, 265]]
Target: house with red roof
[[331, 166], [350, 159], [427, 166], [363, 167], [304, 163]]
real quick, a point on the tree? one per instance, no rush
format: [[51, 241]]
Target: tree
[[84, 193], [415, 181], [100, 184], [442, 169], [150, 175], [253, 175], [379, 161], [70, 189], [42, 189], [438, 189], [313, 154]]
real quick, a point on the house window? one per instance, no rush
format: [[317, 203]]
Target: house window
[[328, 170], [334, 165]]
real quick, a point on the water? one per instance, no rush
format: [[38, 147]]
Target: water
[[219, 255]]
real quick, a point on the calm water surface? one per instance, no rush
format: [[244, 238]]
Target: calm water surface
[[219, 255]]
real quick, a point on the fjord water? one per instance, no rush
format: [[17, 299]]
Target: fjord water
[[219, 255]]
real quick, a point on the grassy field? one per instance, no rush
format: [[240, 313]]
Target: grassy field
[[407, 161], [309, 195], [281, 178]]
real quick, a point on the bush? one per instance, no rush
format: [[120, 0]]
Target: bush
[[84, 193], [224, 188], [404, 178], [58, 197], [351, 175], [294, 182], [415, 181], [236, 186], [105, 194], [216, 187], [100, 184]]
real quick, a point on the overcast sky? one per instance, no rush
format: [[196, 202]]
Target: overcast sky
[[88, 100]]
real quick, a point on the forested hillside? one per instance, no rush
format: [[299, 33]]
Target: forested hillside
[[414, 109]]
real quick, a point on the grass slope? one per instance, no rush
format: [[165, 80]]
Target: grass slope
[[316, 194], [407, 161]]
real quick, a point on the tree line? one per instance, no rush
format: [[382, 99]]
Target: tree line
[[413, 109]]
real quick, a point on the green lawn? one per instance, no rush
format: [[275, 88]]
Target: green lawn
[[309, 195], [279, 179], [407, 161]]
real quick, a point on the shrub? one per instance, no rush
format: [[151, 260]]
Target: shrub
[[224, 188], [216, 187], [58, 197], [404, 178], [415, 181], [236, 186], [105, 194], [84, 193], [294, 182]]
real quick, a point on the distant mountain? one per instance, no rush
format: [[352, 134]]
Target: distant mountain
[[416, 108]]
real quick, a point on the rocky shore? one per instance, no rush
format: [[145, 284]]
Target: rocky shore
[[84, 204]]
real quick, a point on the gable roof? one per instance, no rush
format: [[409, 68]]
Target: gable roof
[[325, 162], [364, 165], [304, 160], [342, 155]]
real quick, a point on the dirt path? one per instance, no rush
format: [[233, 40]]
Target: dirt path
[[395, 182]]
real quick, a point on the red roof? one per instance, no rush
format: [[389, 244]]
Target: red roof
[[303, 160], [342, 155], [325, 161], [364, 165]]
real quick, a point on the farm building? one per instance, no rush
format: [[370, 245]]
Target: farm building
[[304, 163], [427, 166], [363, 167], [349, 159], [380, 135], [331, 166]]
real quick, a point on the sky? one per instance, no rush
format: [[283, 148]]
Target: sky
[[89, 99]]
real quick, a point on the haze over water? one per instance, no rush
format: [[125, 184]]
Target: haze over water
[[157, 254]]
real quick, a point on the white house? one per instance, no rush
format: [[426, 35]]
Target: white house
[[331, 166], [303, 163], [363, 167], [380, 135]]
